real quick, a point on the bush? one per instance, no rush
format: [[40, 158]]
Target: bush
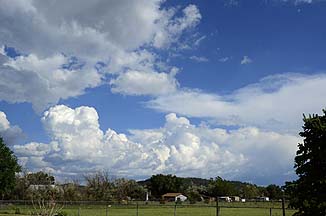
[[17, 210], [192, 201], [62, 213]]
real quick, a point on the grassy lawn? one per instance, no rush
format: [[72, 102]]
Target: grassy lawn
[[151, 210]]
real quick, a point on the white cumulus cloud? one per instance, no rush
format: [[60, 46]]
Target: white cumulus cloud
[[43, 81], [170, 29], [144, 83], [78, 145], [103, 36], [10, 133]]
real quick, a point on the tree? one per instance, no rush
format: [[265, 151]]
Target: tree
[[273, 192], [8, 169], [72, 191], [309, 191], [193, 194], [99, 186], [128, 189], [161, 184], [220, 187], [249, 191], [20, 192], [40, 178]]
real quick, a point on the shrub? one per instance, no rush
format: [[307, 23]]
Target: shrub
[[17, 210], [62, 213]]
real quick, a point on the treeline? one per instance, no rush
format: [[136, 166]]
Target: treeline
[[197, 188], [96, 187], [101, 187]]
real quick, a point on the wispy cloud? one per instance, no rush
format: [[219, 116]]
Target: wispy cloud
[[224, 59], [246, 60], [232, 3], [199, 40], [199, 58], [268, 104]]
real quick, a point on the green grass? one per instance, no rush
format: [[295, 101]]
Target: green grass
[[159, 210]]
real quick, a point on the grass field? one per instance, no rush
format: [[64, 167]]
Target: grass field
[[253, 209]]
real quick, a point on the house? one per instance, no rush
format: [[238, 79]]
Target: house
[[41, 187], [225, 199], [174, 197], [262, 199], [235, 199], [207, 199]]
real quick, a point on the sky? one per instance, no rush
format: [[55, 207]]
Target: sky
[[136, 88]]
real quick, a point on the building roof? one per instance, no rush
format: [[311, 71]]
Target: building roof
[[171, 194]]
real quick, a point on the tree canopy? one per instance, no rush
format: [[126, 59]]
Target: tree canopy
[[40, 178], [8, 168], [309, 191], [161, 184]]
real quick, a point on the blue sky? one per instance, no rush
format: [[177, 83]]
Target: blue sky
[[192, 88]]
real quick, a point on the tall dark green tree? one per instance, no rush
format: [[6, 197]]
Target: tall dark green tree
[[161, 184], [220, 187], [8, 169], [273, 192], [309, 191]]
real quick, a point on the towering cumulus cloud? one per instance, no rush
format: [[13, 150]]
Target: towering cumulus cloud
[[79, 145]]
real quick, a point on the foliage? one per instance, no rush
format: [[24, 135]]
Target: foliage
[[309, 191], [72, 191], [20, 190], [161, 184], [8, 168], [43, 192], [34, 186], [290, 191], [128, 189], [193, 194], [274, 192], [220, 187], [46, 208], [62, 213], [250, 191], [99, 186], [17, 210], [40, 178]]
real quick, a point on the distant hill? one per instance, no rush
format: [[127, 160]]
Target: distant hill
[[198, 182]]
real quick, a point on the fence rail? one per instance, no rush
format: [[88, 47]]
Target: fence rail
[[142, 208]]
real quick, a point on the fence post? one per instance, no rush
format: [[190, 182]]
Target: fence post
[[217, 207], [78, 211], [270, 212], [107, 210], [175, 209], [283, 205], [137, 209]]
